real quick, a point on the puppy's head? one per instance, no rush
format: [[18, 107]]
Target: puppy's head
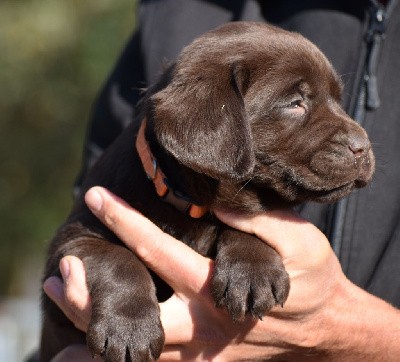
[[251, 101]]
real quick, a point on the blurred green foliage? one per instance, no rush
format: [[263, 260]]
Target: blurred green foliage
[[55, 55]]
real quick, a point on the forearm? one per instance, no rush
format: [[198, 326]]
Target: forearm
[[360, 327]]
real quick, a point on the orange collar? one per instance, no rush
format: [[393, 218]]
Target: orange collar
[[155, 174]]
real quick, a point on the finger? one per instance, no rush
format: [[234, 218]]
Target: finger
[[76, 352], [75, 287], [172, 353], [284, 230], [72, 296], [160, 251], [54, 289], [177, 321], [185, 353], [247, 222]]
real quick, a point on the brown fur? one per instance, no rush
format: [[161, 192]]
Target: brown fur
[[248, 118]]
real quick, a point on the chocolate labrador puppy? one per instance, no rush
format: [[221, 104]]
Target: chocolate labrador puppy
[[247, 119]]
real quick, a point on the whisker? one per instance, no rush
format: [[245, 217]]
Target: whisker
[[242, 187]]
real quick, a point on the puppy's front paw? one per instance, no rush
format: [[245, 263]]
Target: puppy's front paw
[[130, 333], [249, 286]]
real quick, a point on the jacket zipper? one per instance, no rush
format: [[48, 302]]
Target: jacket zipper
[[367, 100]]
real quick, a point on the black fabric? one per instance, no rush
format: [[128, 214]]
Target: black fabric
[[369, 247]]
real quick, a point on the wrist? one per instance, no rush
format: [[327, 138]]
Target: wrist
[[358, 326]]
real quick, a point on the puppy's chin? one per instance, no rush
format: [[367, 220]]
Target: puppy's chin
[[333, 195], [296, 193], [330, 195], [300, 194], [338, 193]]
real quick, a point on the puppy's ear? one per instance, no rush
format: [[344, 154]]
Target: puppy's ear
[[200, 119]]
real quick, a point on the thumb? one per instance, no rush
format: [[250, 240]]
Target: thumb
[[159, 251]]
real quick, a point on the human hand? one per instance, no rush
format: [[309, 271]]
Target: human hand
[[195, 329]]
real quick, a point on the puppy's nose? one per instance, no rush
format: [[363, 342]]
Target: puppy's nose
[[359, 145]]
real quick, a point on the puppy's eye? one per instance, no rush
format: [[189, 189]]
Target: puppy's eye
[[296, 103], [297, 106]]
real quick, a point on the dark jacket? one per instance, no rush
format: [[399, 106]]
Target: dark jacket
[[361, 38]]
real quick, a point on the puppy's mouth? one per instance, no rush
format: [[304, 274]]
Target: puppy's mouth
[[334, 194], [364, 168], [299, 190], [294, 185]]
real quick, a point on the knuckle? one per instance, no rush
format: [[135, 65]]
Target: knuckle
[[111, 217], [73, 299], [148, 252]]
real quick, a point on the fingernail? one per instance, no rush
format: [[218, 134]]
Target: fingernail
[[94, 200], [65, 269]]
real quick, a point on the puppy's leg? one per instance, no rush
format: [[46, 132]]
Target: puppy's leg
[[249, 275], [125, 322], [57, 333]]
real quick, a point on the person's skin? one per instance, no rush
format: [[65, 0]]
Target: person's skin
[[326, 317]]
